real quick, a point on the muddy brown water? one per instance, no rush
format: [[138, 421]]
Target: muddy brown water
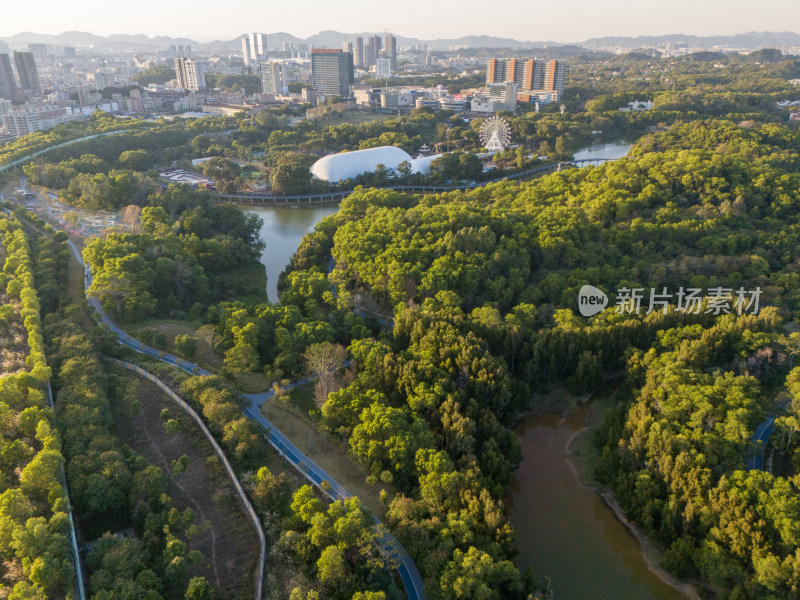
[[566, 531]]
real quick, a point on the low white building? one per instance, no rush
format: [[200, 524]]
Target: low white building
[[349, 165]]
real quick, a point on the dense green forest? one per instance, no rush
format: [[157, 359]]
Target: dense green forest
[[455, 309], [37, 558], [482, 286]]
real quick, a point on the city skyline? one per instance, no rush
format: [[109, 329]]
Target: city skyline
[[569, 21]]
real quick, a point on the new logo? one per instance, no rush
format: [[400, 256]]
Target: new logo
[[591, 300]]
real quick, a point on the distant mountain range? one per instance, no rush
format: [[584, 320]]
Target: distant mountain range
[[123, 42], [751, 41]]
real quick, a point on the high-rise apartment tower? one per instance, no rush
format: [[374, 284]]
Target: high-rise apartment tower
[[26, 71], [191, 74], [7, 83]]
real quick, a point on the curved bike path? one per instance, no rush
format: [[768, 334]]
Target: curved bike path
[[391, 546], [19, 161]]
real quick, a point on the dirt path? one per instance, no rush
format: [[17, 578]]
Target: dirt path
[[230, 547], [167, 468]]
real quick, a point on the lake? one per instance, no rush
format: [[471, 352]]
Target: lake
[[284, 227], [613, 150]]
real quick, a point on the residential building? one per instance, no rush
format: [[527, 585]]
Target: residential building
[[499, 70], [7, 83], [254, 48], [103, 80], [87, 96], [191, 74], [5, 106], [39, 52], [374, 50], [246, 51], [358, 56], [533, 75], [273, 79], [555, 76], [391, 50], [27, 72], [309, 96], [331, 72], [22, 122]]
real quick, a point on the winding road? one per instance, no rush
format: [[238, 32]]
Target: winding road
[[391, 546]]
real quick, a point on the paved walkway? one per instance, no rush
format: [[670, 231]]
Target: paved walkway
[[406, 568]]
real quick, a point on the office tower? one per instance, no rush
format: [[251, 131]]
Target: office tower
[[69, 52], [5, 48], [191, 74], [533, 78], [39, 53], [273, 79], [26, 71], [358, 57], [331, 72], [246, 51], [391, 49], [554, 75], [347, 47], [258, 47], [7, 83]]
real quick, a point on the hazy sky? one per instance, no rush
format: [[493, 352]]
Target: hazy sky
[[557, 20]]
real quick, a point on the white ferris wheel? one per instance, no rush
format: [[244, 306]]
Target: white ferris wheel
[[495, 134]]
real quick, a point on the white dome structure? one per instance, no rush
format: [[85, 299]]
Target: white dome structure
[[422, 164], [348, 165]]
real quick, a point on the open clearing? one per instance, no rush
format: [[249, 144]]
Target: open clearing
[[228, 543]]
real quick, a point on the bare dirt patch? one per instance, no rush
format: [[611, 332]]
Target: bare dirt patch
[[229, 543]]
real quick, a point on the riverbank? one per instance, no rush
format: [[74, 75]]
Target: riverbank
[[582, 457]]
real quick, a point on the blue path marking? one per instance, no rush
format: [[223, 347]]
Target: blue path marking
[[391, 546]]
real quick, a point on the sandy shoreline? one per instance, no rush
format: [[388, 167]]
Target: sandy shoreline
[[647, 547]]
